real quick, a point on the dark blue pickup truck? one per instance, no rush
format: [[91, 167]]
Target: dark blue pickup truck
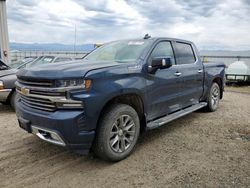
[[103, 102]]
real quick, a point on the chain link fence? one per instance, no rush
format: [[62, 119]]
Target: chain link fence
[[18, 55]]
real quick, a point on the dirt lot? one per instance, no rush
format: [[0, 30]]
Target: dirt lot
[[201, 149]]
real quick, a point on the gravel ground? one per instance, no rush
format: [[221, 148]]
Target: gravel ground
[[198, 150]]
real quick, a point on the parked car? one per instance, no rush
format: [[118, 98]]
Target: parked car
[[3, 66], [49, 59], [120, 89], [22, 63], [8, 78]]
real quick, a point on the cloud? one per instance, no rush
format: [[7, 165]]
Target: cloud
[[211, 24]]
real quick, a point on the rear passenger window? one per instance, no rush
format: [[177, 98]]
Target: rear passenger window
[[185, 53], [163, 49]]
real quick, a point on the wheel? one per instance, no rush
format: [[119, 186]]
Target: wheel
[[117, 133], [213, 98], [13, 99]]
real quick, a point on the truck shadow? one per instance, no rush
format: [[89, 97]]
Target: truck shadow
[[45, 160], [145, 138]]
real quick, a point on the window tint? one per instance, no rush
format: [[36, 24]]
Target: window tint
[[185, 53], [163, 49]]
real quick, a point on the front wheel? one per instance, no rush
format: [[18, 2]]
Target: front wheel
[[213, 98], [117, 133]]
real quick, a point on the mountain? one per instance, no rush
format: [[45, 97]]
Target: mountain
[[50, 47], [89, 47], [224, 53]]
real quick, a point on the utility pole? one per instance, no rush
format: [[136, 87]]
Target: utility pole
[[4, 36], [75, 42]]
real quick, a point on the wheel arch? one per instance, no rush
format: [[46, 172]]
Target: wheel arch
[[219, 81], [132, 99]]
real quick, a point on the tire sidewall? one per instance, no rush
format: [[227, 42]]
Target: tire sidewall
[[107, 124], [213, 108]]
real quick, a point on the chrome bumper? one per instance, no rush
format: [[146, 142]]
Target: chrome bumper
[[48, 136], [4, 93]]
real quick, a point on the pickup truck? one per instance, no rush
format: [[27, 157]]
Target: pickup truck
[[103, 102]]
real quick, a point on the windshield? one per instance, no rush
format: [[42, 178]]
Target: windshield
[[121, 51]]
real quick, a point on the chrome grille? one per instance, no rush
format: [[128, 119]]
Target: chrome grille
[[36, 83], [47, 93], [38, 103]]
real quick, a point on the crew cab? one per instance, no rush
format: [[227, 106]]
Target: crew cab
[[103, 102]]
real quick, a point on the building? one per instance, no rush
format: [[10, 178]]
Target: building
[[4, 36]]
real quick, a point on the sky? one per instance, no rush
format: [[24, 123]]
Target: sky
[[211, 24]]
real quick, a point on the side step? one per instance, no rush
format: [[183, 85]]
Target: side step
[[159, 122]]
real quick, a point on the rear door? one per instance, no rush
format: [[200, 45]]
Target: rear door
[[163, 86], [190, 71]]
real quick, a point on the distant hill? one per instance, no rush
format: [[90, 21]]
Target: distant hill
[[90, 47], [224, 53], [50, 47]]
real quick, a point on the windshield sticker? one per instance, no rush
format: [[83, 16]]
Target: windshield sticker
[[136, 43]]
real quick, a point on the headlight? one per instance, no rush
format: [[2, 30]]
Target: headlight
[[1, 85], [74, 83]]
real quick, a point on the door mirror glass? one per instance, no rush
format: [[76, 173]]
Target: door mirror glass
[[160, 63]]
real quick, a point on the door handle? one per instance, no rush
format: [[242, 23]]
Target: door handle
[[200, 71], [177, 73]]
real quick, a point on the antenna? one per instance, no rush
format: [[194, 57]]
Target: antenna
[[147, 36]]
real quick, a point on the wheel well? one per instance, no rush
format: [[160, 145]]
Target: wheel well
[[133, 100], [219, 82]]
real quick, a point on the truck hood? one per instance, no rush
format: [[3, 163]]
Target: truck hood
[[64, 70], [7, 72]]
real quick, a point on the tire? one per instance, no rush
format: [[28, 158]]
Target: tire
[[213, 98], [13, 99], [117, 133]]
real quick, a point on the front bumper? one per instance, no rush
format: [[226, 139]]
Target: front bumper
[[62, 127], [4, 94]]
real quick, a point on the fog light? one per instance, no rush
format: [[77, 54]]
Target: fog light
[[54, 137], [71, 105]]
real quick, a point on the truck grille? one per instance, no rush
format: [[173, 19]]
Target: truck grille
[[36, 83], [38, 103]]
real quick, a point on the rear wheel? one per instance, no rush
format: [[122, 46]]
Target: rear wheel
[[117, 133], [213, 98]]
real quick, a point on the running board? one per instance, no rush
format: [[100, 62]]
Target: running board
[[159, 122]]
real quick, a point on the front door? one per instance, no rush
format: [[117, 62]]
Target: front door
[[163, 86]]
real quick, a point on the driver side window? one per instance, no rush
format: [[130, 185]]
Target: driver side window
[[163, 49]]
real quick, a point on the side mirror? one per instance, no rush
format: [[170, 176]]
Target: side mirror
[[159, 63]]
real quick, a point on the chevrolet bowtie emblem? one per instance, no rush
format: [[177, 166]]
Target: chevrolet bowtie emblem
[[25, 91]]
